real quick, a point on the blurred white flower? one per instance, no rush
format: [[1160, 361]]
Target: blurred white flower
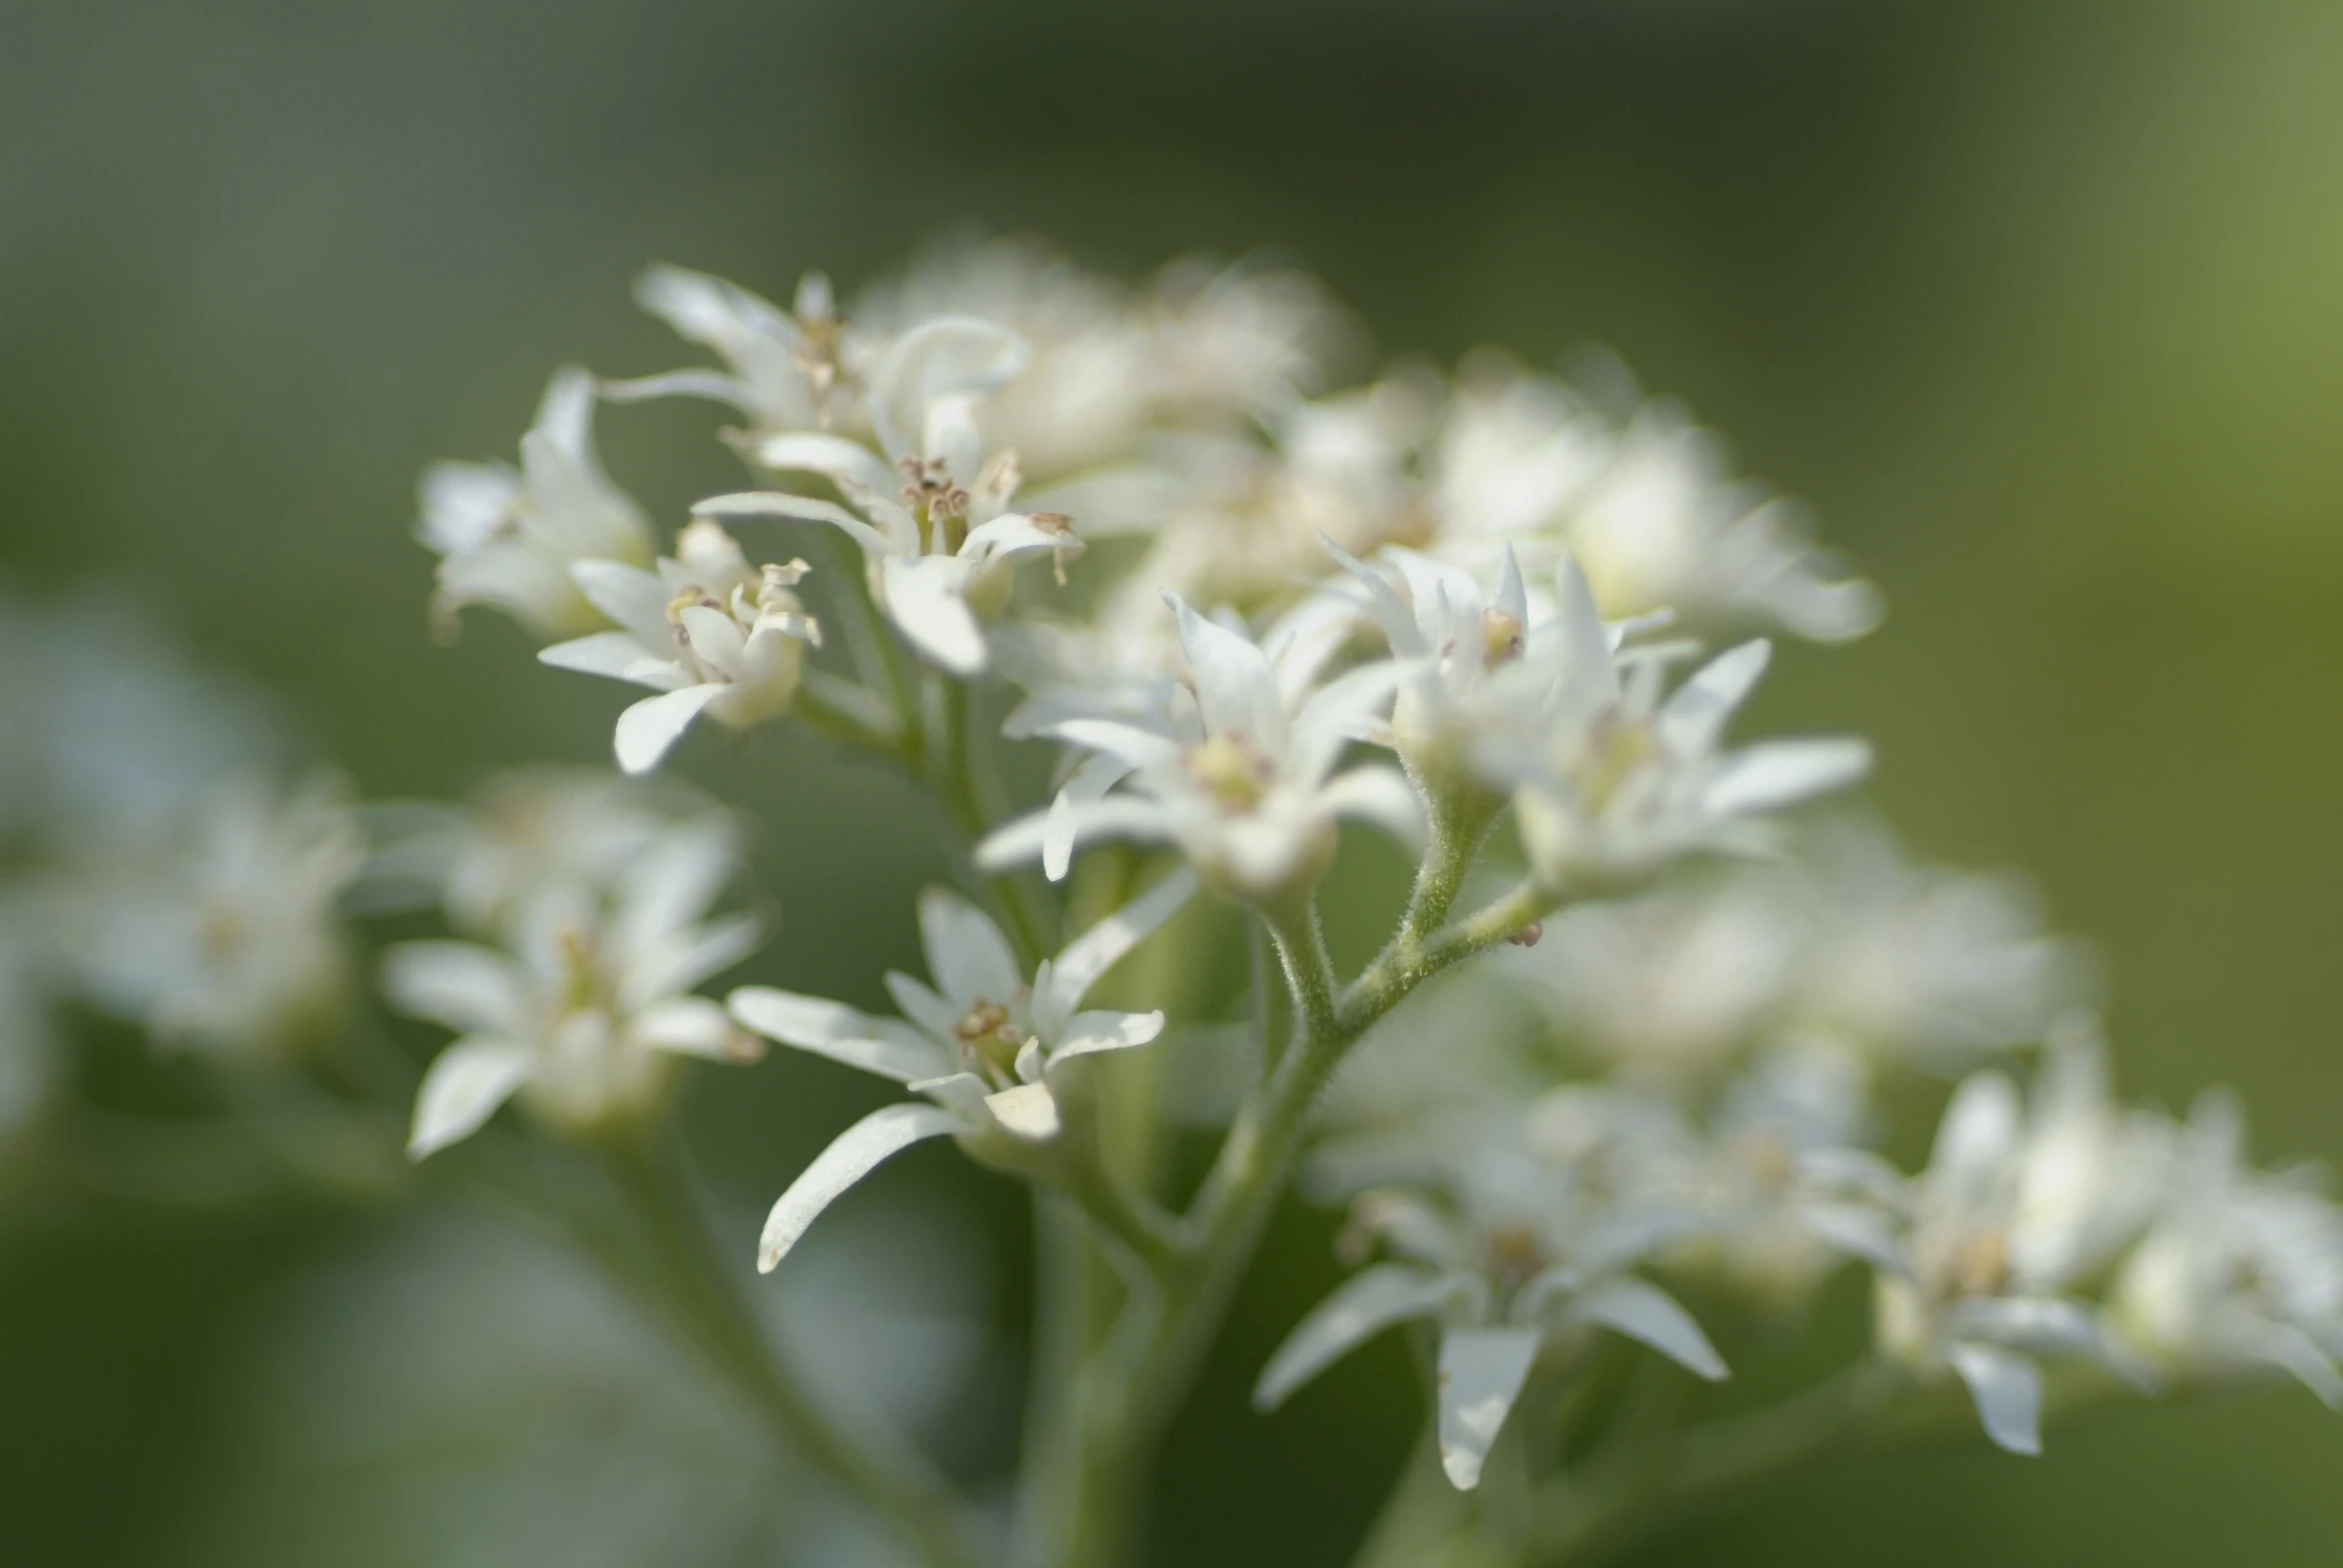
[[1234, 770], [2242, 1272], [460, 1394], [106, 730], [1933, 966], [1514, 1253], [225, 933], [508, 537], [2012, 1214], [707, 631], [1673, 984], [1647, 510], [982, 1043], [587, 1007], [1611, 781], [547, 833]]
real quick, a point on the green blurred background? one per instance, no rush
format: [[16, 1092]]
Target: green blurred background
[[2040, 306]]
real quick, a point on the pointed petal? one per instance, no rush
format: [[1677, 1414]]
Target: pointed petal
[[459, 984], [1482, 1373], [1118, 815], [1392, 613], [775, 504], [918, 1002], [1234, 684], [1380, 795], [1097, 950], [969, 957], [1093, 777], [635, 598], [1783, 773], [463, 1089], [834, 1029], [832, 457], [1650, 1315], [693, 1027], [2007, 1390], [1090, 1033], [924, 599], [1695, 715], [855, 1154], [649, 729], [617, 655], [1361, 1307]]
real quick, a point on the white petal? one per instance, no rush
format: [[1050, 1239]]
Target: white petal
[[615, 654], [676, 877], [1650, 1315], [716, 638], [1482, 1373], [1097, 774], [833, 456], [2044, 1325], [635, 598], [1975, 1140], [1099, 949], [2292, 1350], [689, 1025], [918, 1002], [967, 954], [1234, 684], [1856, 1229], [1118, 815], [459, 984], [834, 1029], [1695, 716], [1027, 1110], [649, 729], [1089, 1033], [686, 958], [1783, 773], [855, 1154], [1335, 714], [774, 504], [1380, 795], [1137, 748], [924, 599], [1392, 613], [2007, 1390], [1361, 1307], [463, 1089], [1013, 533], [943, 358]]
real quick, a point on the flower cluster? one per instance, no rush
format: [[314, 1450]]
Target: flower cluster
[[1621, 1083]]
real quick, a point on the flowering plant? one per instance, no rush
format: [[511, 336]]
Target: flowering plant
[[1608, 1106]]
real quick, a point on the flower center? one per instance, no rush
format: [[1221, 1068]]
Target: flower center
[[940, 505], [1232, 768], [1501, 637], [1512, 1255], [1978, 1264], [989, 1041]]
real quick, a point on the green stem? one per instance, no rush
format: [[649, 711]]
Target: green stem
[[693, 1285]]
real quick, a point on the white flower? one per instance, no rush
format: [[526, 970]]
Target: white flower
[[1648, 510], [1521, 1255], [1937, 966], [224, 935], [1236, 772], [2242, 1272], [786, 370], [586, 1013], [935, 525], [988, 1048], [108, 730], [2010, 1215], [1611, 781], [534, 834], [1672, 985], [508, 537], [707, 631]]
